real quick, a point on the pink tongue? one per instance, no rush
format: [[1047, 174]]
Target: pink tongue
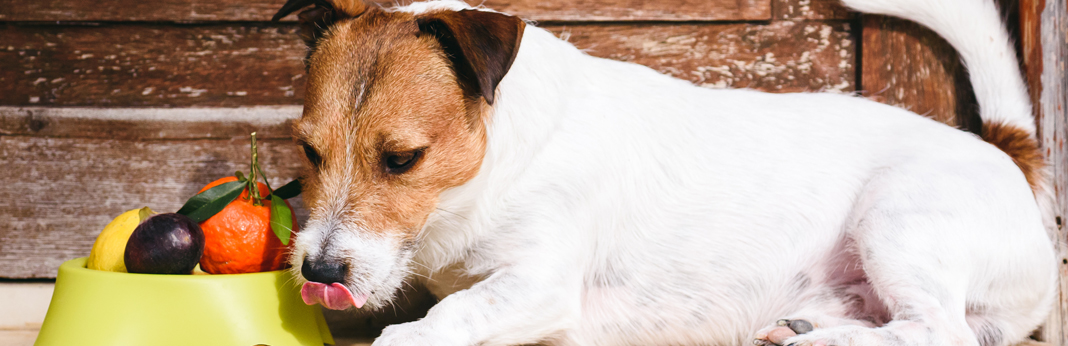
[[334, 296]]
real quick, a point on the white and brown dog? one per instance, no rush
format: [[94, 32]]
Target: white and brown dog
[[547, 196]]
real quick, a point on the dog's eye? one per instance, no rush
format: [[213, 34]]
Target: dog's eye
[[312, 155], [398, 163]]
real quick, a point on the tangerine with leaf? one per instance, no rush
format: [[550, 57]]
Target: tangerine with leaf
[[239, 239], [246, 224]]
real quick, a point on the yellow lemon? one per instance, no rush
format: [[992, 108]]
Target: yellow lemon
[[110, 245]]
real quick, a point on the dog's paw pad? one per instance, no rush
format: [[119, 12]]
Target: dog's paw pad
[[782, 330], [798, 326]]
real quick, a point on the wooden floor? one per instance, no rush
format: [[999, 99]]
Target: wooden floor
[[17, 337]]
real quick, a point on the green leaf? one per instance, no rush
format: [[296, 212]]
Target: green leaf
[[289, 190], [281, 219], [208, 203], [240, 176]]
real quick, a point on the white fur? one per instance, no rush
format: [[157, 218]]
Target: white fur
[[619, 206]]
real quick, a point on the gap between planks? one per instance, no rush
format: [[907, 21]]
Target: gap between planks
[[147, 124]]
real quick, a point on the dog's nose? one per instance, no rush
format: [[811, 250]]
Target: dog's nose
[[323, 271]]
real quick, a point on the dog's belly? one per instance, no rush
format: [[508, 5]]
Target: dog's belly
[[724, 303]]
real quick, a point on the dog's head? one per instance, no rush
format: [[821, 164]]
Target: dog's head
[[393, 116]]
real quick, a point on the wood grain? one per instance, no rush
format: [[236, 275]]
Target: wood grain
[[909, 66], [1030, 30], [631, 10], [809, 10], [270, 122], [262, 10], [778, 57], [151, 65], [1044, 28], [230, 65], [60, 192]]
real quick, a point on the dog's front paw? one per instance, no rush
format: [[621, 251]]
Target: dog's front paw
[[417, 333]]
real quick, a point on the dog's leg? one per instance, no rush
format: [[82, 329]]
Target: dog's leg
[[950, 266], [919, 293], [512, 306]]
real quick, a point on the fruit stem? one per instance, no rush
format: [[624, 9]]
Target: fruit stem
[[253, 187], [265, 182]]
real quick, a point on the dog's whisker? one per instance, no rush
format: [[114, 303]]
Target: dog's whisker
[[457, 215], [412, 273]]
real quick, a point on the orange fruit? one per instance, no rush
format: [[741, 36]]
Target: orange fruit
[[239, 238]]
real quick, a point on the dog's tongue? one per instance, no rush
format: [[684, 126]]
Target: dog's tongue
[[333, 296]]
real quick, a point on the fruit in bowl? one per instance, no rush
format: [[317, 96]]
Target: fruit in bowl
[[110, 245], [233, 225], [164, 244], [240, 238]]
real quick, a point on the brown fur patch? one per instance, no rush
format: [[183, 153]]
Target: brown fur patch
[[379, 87], [1021, 147]]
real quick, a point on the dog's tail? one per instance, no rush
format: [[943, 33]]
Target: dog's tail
[[975, 29]]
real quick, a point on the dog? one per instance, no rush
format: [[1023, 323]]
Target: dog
[[547, 196]]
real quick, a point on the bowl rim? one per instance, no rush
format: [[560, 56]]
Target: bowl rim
[[80, 265]]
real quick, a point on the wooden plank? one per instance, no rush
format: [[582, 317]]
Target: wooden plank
[[270, 122], [262, 10], [60, 192], [777, 57], [809, 10], [1044, 34], [228, 65], [151, 65], [909, 66], [1030, 35], [629, 10]]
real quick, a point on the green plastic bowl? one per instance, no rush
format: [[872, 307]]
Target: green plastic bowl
[[93, 307]]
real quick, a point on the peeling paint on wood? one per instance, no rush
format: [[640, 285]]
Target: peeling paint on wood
[[262, 10], [616, 10], [810, 10], [778, 57], [224, 65], [151, 65], [59, 193]]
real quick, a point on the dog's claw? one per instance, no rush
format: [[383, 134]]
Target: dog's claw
[[799, 326], [759, 342], [783, 322]]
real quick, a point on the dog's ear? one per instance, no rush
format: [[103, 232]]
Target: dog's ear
[[316, 19], [481, 46]]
